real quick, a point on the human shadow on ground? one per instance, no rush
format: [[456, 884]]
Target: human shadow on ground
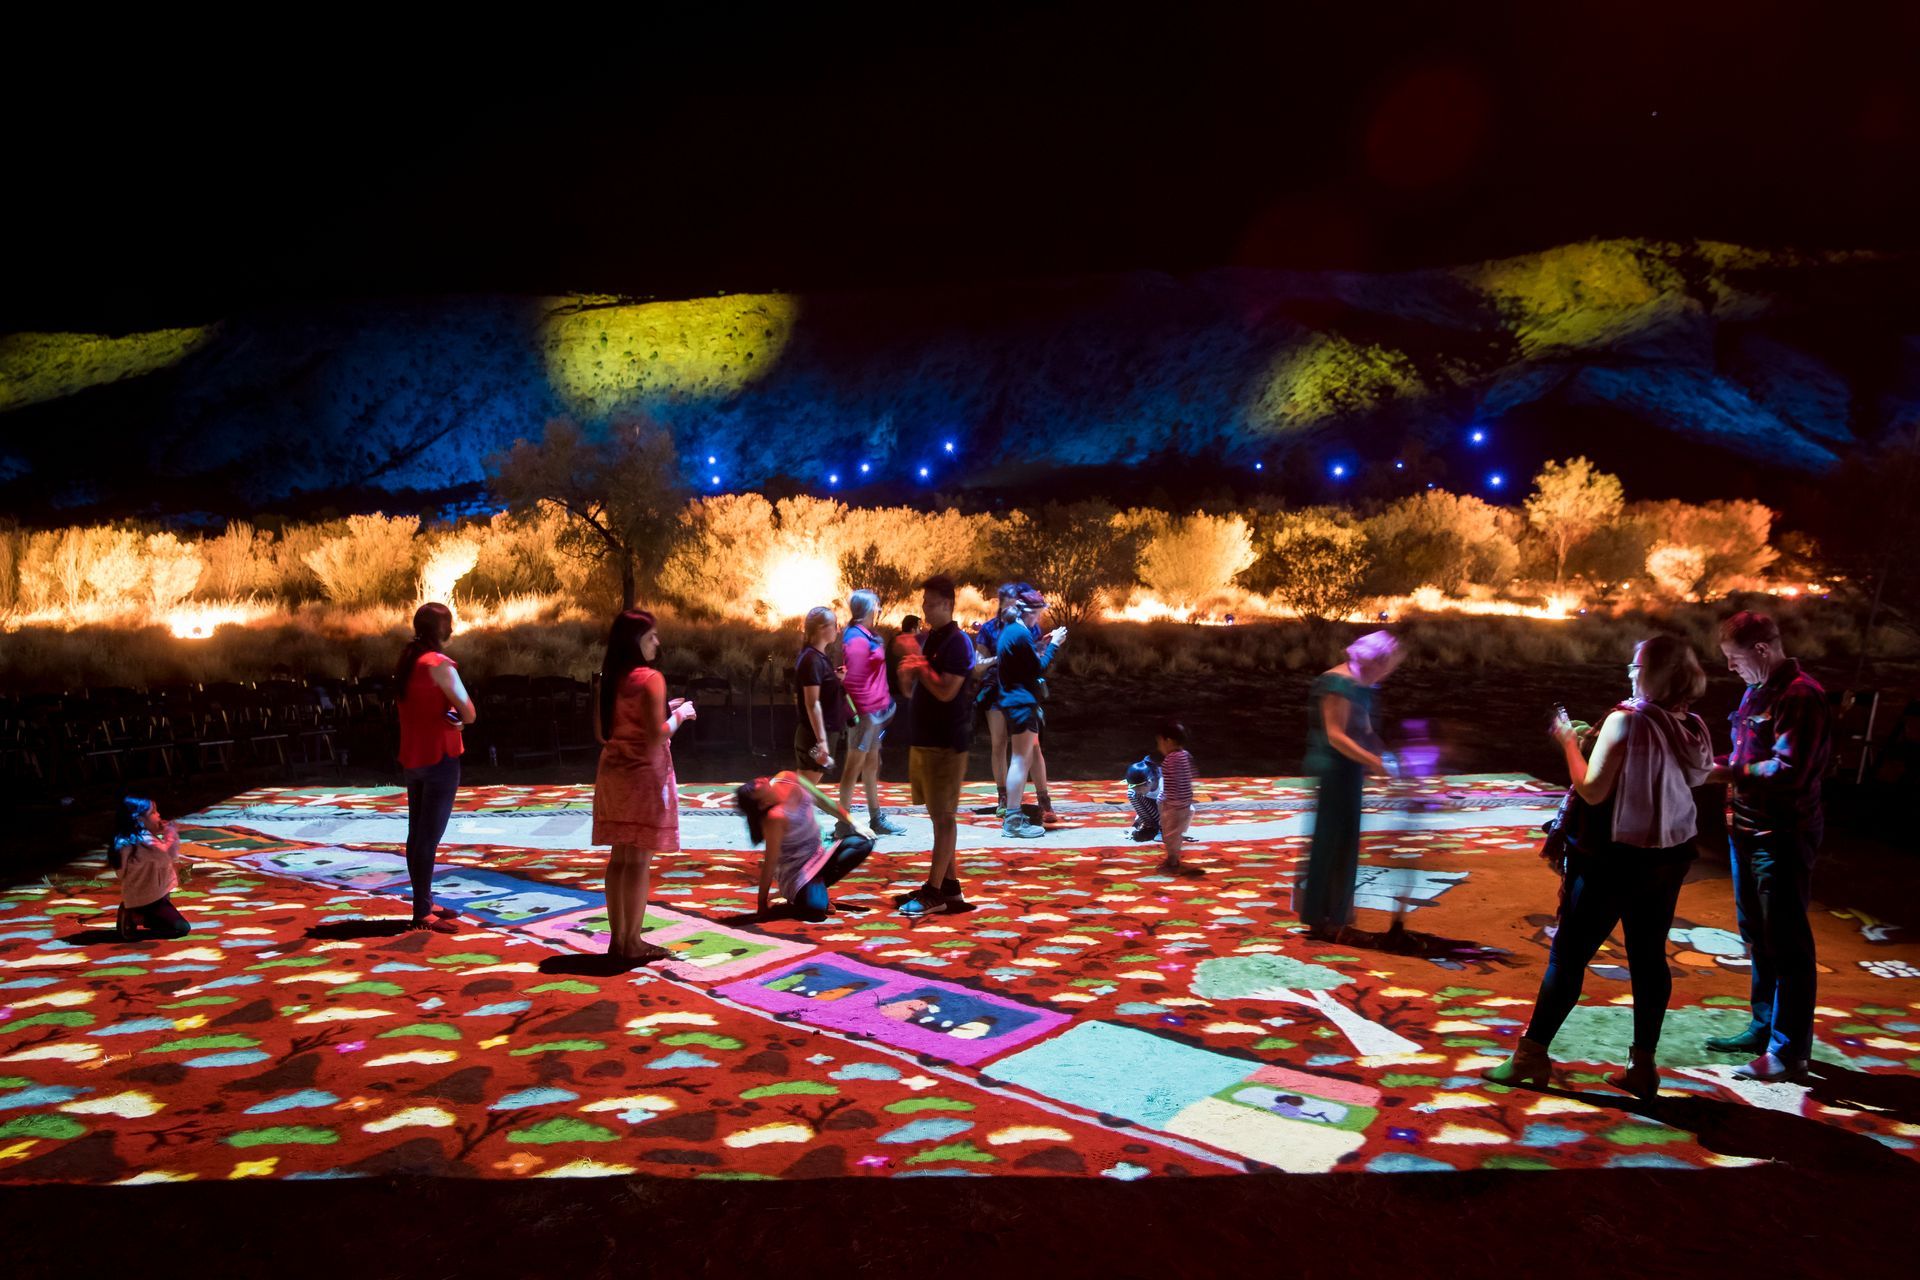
[[1398, 940], [592, 965], [91, 937], [1895, 1096], [352, 930], [1756, 1133], [787, 911]]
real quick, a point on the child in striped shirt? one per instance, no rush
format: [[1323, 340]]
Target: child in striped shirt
[[1176, 796]]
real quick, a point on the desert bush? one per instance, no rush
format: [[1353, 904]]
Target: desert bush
[[11, 542], [1732, 537], [1316, 564], [1569, 501], [1078, 553], [115, 570], [449, 558], [517, 556], [719, 553], [173, 570], [371, 562], [1677, 570], [1441, 538], [238, 562], [1195, 558]]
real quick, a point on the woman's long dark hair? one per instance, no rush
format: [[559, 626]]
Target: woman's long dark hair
[[431, 622], [623, 656], [749, 806], [129, 822]]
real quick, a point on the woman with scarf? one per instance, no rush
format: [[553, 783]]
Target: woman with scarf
[[1628, 858]]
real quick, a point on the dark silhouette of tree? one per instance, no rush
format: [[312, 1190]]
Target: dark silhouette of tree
[[621, 491]]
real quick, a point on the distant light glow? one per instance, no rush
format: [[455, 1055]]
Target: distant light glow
[[864, 468], [924, 473], [949, 446], [833, 478], [1339, 470], [1259, 466], [711, 459], [1496, 480], [1399, 466], [713, 479], [797, 582], [1478, 436]]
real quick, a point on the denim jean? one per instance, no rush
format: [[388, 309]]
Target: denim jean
[[1636, 889], [847, 855], [430, 793], [1772, 890]]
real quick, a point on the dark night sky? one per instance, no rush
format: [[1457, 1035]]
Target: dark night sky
[[173, 178]]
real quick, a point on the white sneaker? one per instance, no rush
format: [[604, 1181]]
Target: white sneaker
[[1019, 827]]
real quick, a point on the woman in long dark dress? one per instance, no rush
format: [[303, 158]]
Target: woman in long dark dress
[[1342, 749]]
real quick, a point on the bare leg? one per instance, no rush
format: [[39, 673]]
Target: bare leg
[[634, 881], [1019, 762], [850, 771], [1040, 775], [616, 895], [872, 780], [997, 730]]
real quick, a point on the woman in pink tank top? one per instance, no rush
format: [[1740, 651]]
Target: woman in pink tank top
[[866, 657]]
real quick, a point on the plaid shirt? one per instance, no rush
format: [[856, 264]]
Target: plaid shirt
[[1782, 743]]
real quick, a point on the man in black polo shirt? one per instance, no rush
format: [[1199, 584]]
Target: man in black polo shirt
[[941, 721], [1782, 741]]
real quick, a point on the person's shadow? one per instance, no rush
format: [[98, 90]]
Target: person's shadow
[[1756, 1133], [351, 930], [1398, 940], [787, 911], [1895, 1096], [90, 937]]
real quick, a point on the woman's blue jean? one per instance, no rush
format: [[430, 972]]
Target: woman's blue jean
[[1634, 888], [430, 793]]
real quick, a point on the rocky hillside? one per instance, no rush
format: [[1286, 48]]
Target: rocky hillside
[[1652, 358]]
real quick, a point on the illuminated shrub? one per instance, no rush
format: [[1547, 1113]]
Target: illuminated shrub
[[1317, 563], [1570, 500], [448, 560], [1439, 538], [238, 562], [371, 562], [173, 570], [1676, 570], [1077, 553], [1732, 537], [1194, 558], [719, 552], [518, 555]]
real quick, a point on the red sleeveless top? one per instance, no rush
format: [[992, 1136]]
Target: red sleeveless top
[[426, 736]]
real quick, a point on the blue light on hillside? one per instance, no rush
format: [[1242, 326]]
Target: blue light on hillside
[[1338, 471], [711, 459], [1478, 436], [833, 477], [1259, 466], [1399, 466], [713, 479], [864, 468], [1496, 480], [949, 446], [924, 473]]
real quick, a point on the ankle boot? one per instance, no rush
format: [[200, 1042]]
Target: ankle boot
[[1641, 1078], [1529, 1065]]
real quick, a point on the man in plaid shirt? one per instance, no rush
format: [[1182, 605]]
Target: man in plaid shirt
[[1782, 743]]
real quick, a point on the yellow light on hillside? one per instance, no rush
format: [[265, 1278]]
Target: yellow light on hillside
[[796, 582]]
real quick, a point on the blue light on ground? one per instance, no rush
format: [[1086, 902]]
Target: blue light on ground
[[833, 478], [1339, 471]]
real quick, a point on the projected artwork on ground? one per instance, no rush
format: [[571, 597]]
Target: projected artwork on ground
[[1090, 1017]]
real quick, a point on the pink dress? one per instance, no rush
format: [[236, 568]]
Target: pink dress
[[635, 796]]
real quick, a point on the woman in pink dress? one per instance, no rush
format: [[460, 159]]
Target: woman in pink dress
[[636, 806]]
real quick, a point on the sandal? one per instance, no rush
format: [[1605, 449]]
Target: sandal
[[432, 924]]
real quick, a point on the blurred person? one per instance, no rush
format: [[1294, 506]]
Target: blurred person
[[1782, 746], [1342, 749], [636, 798], [1626, 857], [434, 709]]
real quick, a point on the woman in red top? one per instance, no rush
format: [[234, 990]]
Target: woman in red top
[[434, 707], [636, 805]]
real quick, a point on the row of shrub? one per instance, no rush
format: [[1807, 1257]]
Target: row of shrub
[[732, 555]]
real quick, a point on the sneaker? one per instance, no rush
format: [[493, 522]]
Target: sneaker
[[881, 827], [1016, 827], [1140, 835], [926, 893]]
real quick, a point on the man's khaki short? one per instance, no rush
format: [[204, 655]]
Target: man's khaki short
[[935, 775]]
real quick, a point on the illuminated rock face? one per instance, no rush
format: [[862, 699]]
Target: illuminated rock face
[[1779, 361]]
